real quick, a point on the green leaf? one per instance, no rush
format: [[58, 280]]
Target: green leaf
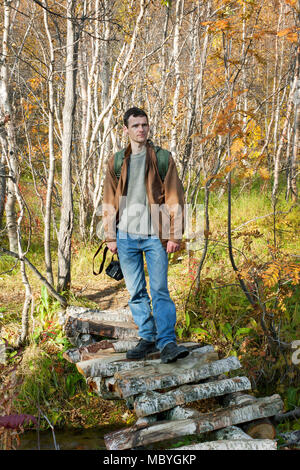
[[200, 331], [179, 332], [187, 320], [243, 332], [227, 330], [45, 297]]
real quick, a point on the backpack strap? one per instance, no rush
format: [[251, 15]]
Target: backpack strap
[[162, 156], [118, 162]]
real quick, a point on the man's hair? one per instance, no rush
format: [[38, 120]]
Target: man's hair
[[135, 112]]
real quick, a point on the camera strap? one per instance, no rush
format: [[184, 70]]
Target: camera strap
[[103, 259]]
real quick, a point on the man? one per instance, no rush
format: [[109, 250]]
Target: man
[[134, 225]]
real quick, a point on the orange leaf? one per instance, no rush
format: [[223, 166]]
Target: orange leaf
[[284, 32]]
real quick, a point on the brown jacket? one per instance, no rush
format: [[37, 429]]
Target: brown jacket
[[165, 197]]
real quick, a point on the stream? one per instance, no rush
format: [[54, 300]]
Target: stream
[[67, 439], [74, 439]]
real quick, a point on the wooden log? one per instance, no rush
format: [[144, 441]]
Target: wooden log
[[106, 368], [119, 315], [241, 444], [153, 402], [108, 329], [162, 376], [180, 413], [237, 398], [291, 438], [146, 420], [260, 429], [102, 387], [136, 436], [95, 350], [231, 433]]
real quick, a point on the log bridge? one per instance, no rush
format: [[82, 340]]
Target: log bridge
[[159, 392]]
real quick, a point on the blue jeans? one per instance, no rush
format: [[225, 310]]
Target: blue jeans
[[159, 326]]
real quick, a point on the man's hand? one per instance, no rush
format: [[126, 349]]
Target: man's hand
[[172, 247], [112, 246]]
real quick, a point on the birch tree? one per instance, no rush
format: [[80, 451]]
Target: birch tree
[[67, 215]]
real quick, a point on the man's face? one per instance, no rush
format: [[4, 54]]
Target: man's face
[[138, 129]]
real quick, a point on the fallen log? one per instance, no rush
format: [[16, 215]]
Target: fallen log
[[289, 415], [107, 368], [241, 444], [119, 315], [163, 376], [258, 429], [231, 433], [291, 438], [102, 387], [136, 436], [180, 413], [153, 402], [108, 329], [237, 398], [91, 351]]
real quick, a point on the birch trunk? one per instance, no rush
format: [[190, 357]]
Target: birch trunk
[[107, 364], [296, 140], [50, 182], [8, 138], [241, 444], [176, 55], [66, 219], [2, 184], [153, 402], [163, 376]]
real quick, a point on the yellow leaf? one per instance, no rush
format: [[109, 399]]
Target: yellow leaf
[[264, 173], [237, 145]]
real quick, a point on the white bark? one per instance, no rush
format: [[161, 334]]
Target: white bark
[[232, 433], [177, 71], [66, 219], [241, 444], [153, 402], [8, 138], [50, 182], [187, 370]]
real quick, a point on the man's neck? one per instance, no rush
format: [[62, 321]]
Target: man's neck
[[137, 147]]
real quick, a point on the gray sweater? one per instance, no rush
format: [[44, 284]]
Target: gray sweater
[[134, 208]]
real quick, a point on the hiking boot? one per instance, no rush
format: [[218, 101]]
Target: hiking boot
[[171, 352], [142, 349]]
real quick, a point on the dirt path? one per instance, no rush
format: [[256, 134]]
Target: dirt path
[[105, 292]]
